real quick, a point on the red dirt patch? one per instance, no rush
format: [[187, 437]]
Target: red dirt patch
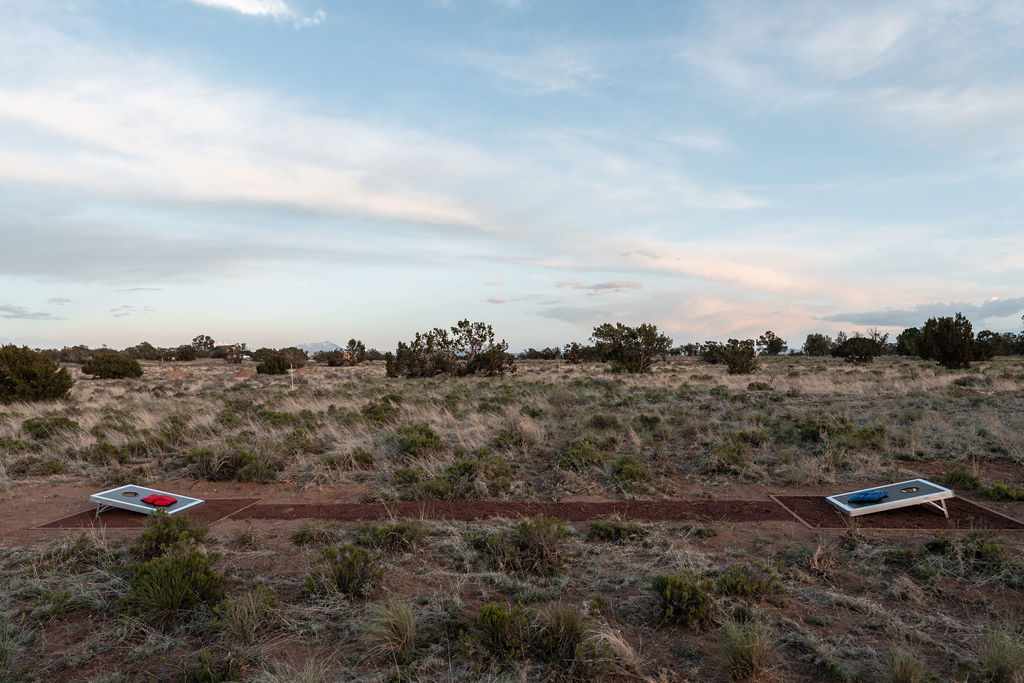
[[817, 513], [207, 513], [648, 510]]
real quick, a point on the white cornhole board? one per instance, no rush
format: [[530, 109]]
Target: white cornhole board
[[902, 494], [129, 497]]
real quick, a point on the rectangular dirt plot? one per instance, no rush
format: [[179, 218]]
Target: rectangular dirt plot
[[212, 510], [816, 513]]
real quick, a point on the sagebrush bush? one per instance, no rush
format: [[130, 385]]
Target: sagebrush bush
[[27, 375], [532, 546], [560, 631], [580, 455], [112, 365], [615, 531], [684, 599], [417, 439], [747, 581], [163, 532], [346, 569], [503, 630], [392, 536], [181, 578]]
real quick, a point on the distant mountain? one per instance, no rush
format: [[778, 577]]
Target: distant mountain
[[317, 347]]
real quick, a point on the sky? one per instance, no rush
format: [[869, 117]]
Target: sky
[[284, 171]]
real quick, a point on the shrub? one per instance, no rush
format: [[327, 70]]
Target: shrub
[[314, 534], [42, 428], [181, 578], [27, 375], [949, 341], [684, 599], [817, 345], [185, 353], [904, 667], [348, 570], [738, 356], [960, 477], [465, 349], [1002, 656], [163, 532], [383, 410], [503, 630], [244, 618], [237, 464], [630, 349], [391, 632], [746, 647], [211, 666], [576, 353], [112, 365], [417, 439], [746, 581], [858, 350], [580, 455], [393, 536], [274, 365], [628, 470], [560, 632], [615, 531], [532, 546], [908, 342]]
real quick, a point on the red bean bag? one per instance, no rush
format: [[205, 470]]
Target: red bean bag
[[159, 500]]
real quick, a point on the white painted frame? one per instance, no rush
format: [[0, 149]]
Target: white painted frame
[[105, 503], [937, 499]]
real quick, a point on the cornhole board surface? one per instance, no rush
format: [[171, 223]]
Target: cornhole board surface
[[129, 497], [901, 494]]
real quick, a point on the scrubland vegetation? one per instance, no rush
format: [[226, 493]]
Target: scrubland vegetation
[[446, 418]]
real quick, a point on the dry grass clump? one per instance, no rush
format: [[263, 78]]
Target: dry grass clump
[[391, 632]]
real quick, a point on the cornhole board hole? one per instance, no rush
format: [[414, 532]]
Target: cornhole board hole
[[130, 497], [900, 495]]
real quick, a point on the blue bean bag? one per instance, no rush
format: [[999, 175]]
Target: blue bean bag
[[865, 497]]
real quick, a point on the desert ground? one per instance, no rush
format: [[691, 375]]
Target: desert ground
[[714, 594]]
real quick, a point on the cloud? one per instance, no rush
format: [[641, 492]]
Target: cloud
[[916, 315], [12, 312], [539, 72], [272, 9], [600, 287], [142, 289], [125, 310], [58, 301]]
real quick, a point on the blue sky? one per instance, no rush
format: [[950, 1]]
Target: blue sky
[[277, 171]]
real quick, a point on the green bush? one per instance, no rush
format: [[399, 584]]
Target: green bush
[[417, 439], [684, 599], [42, 428], [163, 532], [747, 648], [560, 631], [859, 350], [181, 578], [771, 344], [740, 357], [628, 470], [630, 349], [464, 349], [237, 464], [818, 344], [533, 546], [393, 536], [276, 364], [383, 410], [747, 581], [503, 630], [615, 531], [27, 375], [112, 365], [348, 570], [580, 455], [950, 341]]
